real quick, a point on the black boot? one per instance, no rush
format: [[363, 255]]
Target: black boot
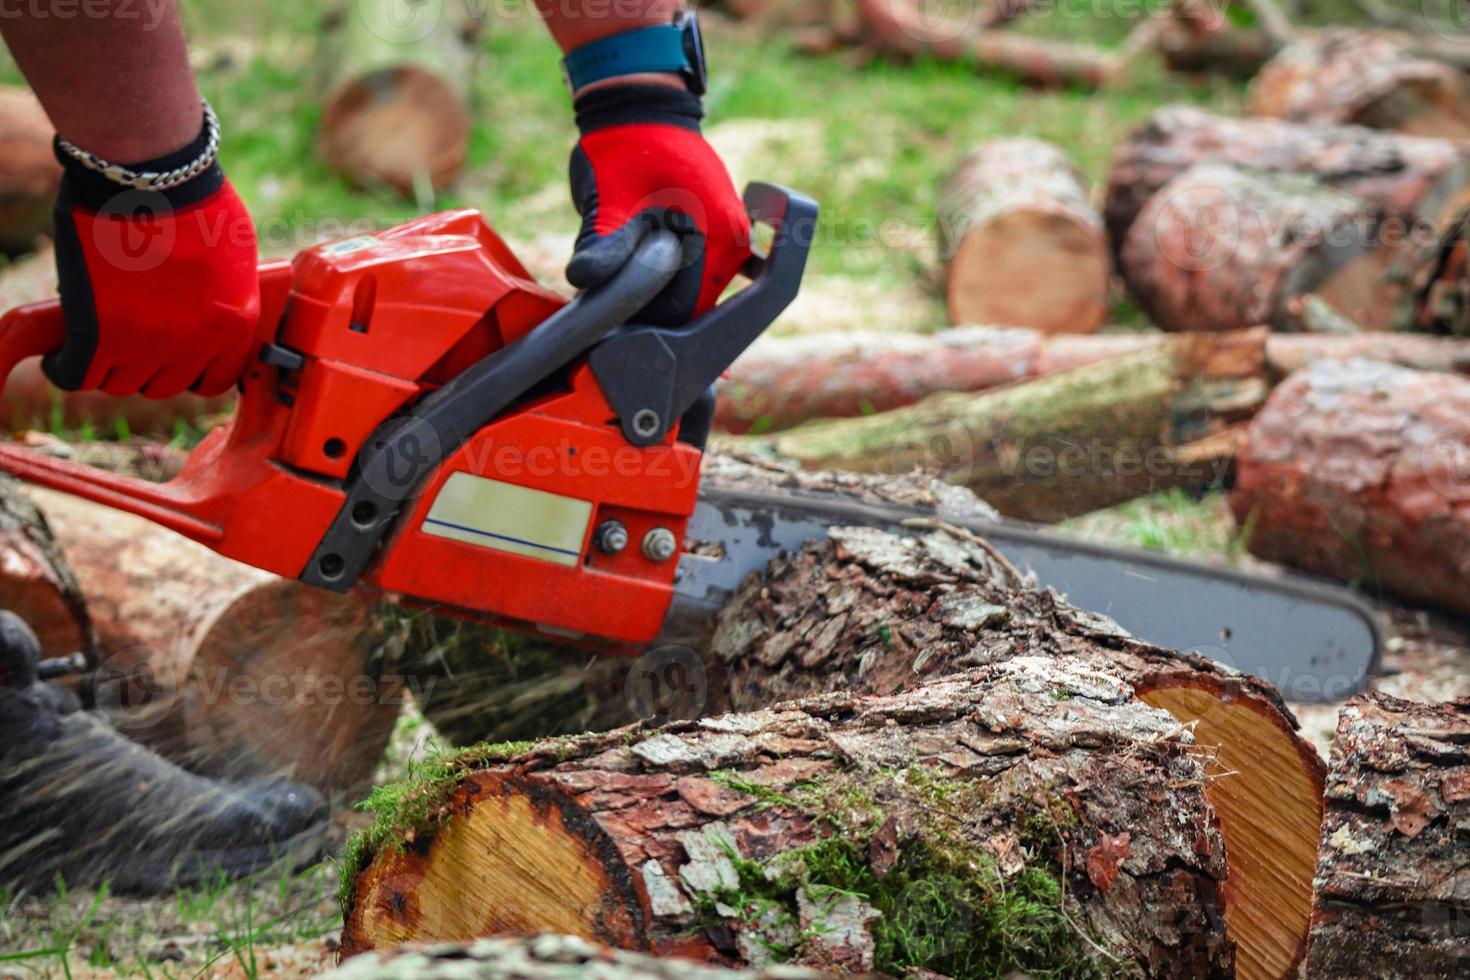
[[81, 801]]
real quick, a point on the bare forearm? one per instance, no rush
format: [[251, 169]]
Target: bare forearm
[[115, 79], [574, 23]]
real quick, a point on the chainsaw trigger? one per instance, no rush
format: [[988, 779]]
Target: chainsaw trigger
[[279, 356]]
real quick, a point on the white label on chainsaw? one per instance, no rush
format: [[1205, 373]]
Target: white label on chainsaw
[[506, 517]]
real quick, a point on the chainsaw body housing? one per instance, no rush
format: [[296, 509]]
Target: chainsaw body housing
[[381, 353]]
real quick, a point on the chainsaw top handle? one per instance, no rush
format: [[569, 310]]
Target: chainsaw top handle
[[667, 371], [30, 331]]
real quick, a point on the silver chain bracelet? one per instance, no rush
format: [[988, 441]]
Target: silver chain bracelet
[[147, 180]]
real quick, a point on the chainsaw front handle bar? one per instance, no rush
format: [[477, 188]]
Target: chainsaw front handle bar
[[30, 331]]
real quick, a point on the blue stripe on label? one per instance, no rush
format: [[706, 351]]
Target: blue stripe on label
[[502, 537]]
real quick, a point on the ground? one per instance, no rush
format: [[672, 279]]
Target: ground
[[871, 141]]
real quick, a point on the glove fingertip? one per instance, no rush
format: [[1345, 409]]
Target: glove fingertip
[[63, 369]]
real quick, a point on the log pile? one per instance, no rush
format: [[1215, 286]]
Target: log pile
[[1414, 181], [396, 76], [782, 382], [1224, 248], [1352, 77], [1069, 443], [1393, 898], [1012, 216], [1361, 472], [1008, 679]]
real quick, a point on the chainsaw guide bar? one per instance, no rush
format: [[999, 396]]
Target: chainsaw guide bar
[[1314, 641]]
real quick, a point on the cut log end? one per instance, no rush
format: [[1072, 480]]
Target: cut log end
[[1033, 268], [1266, 788], [400, 126]]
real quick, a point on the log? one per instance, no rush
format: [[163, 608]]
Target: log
[[543, 957], [223, 668], [1021, 242], [1418, 183], [868, 612], [1358, 471], [1345, 77], [1221, 247], [782, 382], [891, 613], [902, 28], [29, 173], [1066, 444], [1392, 892], [396, 80], [849, 833], [1234, 52], [36, 581]]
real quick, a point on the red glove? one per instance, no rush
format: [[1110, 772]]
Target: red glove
[[159, 288], [642, 161]]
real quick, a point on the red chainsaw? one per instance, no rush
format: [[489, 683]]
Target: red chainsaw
[[425, 420]]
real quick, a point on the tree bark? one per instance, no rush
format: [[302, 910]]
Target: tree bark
[[1224, 248], [1227, 50], [1022, 244], [396, 82], [36, 581], [782, 382], [1418, 183], [221, 667], [1393, 898], [1066, 444], [544, 957], [1353, 77], [867, 612], [1361, 472], [832, 829], [1444, 292], [29, 173]]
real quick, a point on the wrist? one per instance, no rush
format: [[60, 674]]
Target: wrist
[[601, 107], [179, 178], [662, 79]]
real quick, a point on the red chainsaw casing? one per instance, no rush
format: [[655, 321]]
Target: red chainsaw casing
[[378, 321]]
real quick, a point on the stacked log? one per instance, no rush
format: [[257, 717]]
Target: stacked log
[[1416, 182], [1352, 77], [1412, 186], [1393, 898], [782, 382], [1005, 675], [396, 77], [223, 668], [1361, 472], [1066, 444], [29, 173], [1021, 241], [1221, 247]]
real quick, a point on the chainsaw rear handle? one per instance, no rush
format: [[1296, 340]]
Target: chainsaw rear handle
[[30, 331]]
